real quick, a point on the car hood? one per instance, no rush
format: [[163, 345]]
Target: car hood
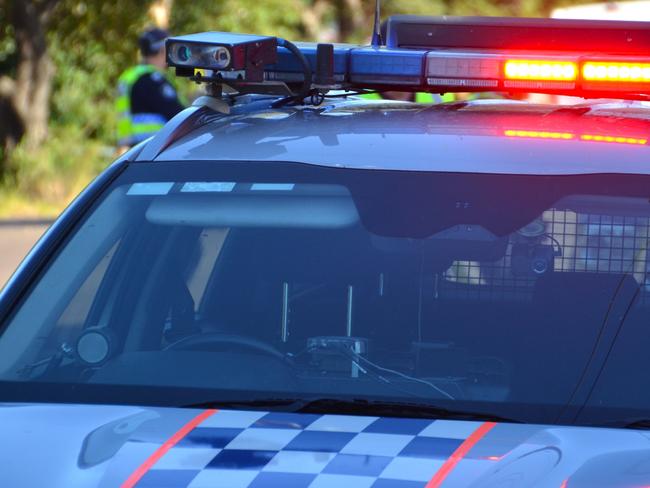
[[110, 446]]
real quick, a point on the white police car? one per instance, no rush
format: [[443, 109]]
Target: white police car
[[293, 287]]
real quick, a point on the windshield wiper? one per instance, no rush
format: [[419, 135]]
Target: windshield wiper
[[640, 424], [261, 404], [355, 407]]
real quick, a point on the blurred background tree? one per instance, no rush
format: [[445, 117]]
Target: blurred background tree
[[25, 96], [60, 60]]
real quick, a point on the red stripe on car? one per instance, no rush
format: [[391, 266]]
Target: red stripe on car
[[162, 450], [459, 454]]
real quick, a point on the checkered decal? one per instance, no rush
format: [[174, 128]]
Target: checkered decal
[[243, 449]]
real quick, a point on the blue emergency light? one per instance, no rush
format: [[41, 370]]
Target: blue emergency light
[[290, 69], [590, 59]]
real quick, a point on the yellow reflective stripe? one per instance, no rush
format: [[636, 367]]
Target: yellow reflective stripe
[[131, 75], [372, 96], [124, 134], [124, 128], [122, 104], [126, 82], [124, 122], [146, 128], [421, 97]]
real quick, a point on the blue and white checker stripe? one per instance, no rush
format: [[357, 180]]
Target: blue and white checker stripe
[[250, 449]]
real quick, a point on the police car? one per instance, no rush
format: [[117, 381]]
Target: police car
[[291, 286]]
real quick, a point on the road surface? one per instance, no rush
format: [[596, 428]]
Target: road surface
[[16, 239]]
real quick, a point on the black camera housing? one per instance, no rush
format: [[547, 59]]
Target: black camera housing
[[528, 260]]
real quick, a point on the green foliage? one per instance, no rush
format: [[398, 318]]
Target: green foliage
[[86, 29], [7, 42], [81, 95], [58, 169], [268, 17], [92, 41]]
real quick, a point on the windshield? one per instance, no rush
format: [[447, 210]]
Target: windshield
[[191, 283]]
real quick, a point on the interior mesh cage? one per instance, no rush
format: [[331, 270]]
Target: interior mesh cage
[[573, 242]]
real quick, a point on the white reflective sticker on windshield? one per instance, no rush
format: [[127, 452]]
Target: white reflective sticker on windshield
[[161, 188], [272, 186], [207, 186]]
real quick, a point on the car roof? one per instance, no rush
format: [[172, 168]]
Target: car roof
[[483, 136]]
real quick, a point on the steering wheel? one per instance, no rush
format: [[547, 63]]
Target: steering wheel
[[208, 340]]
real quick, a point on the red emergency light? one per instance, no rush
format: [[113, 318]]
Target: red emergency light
[[590, 59]]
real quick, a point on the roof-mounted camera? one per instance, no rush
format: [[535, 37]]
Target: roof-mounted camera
[[242, 54]]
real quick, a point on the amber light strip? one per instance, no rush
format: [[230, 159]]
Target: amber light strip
[[519, 69], [616, 139], [538, 134], [624, 72]]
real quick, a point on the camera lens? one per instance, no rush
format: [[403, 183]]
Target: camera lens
[[539, 266], [183, 54], [221, 57]]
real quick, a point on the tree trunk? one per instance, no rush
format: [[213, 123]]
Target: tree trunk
[[350, 18], [11, 126], [35, 70]]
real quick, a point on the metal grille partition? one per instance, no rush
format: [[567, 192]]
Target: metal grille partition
[[570, 242]]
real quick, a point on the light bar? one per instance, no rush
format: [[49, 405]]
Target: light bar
[[542, 70], [437, 55], [616, 71]]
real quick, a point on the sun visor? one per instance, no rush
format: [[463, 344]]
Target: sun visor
[[254, 210]]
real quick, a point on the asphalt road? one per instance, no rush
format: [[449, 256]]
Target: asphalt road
[[16, 239]]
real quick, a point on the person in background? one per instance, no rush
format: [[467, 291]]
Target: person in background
[[146, 99], [419, 97]]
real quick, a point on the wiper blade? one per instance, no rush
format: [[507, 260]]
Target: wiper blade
[[261, 404], [640, 424], [356, 407]]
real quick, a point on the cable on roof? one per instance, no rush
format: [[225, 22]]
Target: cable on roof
[[306, 67]]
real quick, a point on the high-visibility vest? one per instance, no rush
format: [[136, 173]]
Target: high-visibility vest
[[423, 97], [371, 96], [133, 128]]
